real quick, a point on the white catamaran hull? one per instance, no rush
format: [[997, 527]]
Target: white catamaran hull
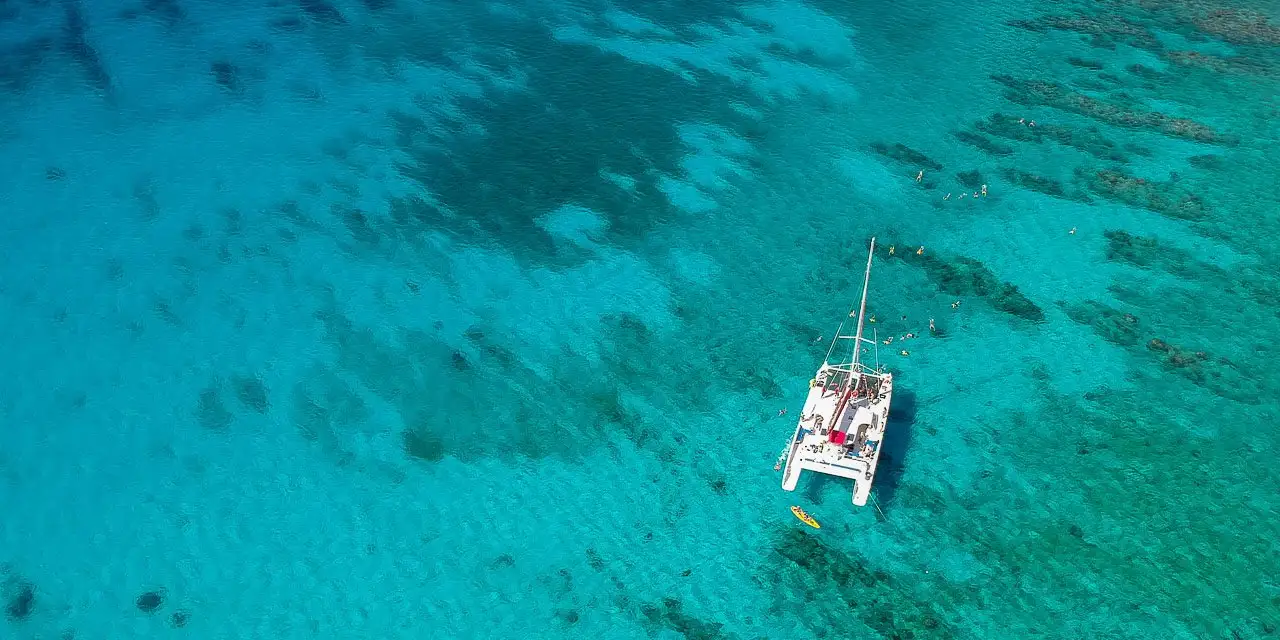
[[857, 452], [842, 427]]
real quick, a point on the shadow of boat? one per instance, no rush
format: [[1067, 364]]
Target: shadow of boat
[[897, 439]]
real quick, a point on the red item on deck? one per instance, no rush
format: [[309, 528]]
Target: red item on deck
[[837, 437]]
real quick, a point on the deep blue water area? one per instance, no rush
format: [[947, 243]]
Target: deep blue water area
[[392, 319]]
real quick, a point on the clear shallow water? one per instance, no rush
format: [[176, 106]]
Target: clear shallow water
[[389, 320]]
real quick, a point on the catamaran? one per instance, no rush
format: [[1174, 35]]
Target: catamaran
[[841, 429]]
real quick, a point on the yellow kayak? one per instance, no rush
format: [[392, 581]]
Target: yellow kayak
[[805, 517]]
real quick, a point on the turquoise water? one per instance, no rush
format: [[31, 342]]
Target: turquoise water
[[474, 320]]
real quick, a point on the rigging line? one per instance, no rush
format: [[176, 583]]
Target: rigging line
[[877, 505], [862, 309], [852, 307]]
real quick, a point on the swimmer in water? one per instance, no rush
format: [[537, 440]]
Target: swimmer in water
[[955, 305], [1072, 231], [946, 197], [782, 412], [932, 329], [891, 249], [920, 251], [920, 176], [984, 190]]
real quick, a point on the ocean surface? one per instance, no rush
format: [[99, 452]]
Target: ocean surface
[[396, 319]]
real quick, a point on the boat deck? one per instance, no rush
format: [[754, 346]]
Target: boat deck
[[840, 433]]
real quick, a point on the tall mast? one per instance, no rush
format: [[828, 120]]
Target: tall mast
[[862, 308]]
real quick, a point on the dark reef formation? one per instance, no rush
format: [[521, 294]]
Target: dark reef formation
[[1083, 63], [1226, 65], [1041, 184], [226, 75], [1117, 327], [1105, 31], [839, 594], [20, 62], [581, 404], [1165, 198], [19, 598], [1144, 72], [1123, 246], [211, 411], [490, 188], [1143, 441], [150, 601], [971, 179], [1207, 162], [77, 46], [168, 12], [670, 614], [1149, 252], [1236, 26], [1218, 375], [423, 444], [1090, 141], [1175, 356], [983, 143], [963, 276], [322, 12], [907, 156], [1052, 94], [252, 393]]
